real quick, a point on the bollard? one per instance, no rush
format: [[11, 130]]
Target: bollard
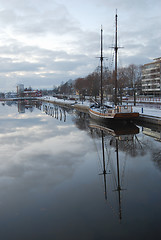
[[142, 109]]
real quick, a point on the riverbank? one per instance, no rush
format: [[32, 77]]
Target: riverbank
[[146, 114], [82, 107]]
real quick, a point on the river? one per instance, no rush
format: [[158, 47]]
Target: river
[[65, 177]]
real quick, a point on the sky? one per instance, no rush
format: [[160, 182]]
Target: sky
[[46, 43]]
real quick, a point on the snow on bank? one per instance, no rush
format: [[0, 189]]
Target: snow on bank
[[154, 110], [148, 111]]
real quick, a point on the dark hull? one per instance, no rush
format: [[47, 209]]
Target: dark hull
[[115, 129]]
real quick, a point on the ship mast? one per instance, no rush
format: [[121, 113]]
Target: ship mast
[[116, 50], [101, 58]]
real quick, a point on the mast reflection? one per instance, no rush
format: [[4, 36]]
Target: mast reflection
[[116, 134], [104, 164]]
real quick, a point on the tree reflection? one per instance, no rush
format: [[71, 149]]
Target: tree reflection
[[157, 158]]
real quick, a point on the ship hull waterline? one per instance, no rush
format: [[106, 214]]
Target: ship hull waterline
[[105, 117]]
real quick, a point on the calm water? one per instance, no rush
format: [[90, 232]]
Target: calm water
[[53, 183]]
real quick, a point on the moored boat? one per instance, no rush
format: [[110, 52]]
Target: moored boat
[[104, 113]]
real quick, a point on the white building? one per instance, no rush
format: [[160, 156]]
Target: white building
[[151, 77], [20, 88]]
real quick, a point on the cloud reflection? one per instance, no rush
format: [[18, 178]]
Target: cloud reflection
[[39, 155]]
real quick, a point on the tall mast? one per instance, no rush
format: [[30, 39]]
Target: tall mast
[[101, 58], [116, 49]]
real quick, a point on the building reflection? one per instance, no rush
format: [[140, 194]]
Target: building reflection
[[28, 105], [23, 105]]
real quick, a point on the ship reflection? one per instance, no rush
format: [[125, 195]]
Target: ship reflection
[[123, 136]]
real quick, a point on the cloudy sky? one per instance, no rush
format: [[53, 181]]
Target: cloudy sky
[[45, 43]]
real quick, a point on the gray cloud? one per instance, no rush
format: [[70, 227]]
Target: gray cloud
[[7, 65], [48, 68], [37, 18], [45, 43]]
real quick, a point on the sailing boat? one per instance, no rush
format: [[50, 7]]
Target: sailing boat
[[103, 112]]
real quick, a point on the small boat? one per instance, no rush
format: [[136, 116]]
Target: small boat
[[103, 112]]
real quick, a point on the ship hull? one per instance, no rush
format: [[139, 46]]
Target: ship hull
[[105, 117]]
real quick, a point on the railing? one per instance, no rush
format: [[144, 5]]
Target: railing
[[148, 99], [123, 109], [144, 99]]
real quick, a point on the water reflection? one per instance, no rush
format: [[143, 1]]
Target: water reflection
[[23, 105], [28, 105], [55, 111], [153, 131], [81, 120], [123, 136], [49, 172]]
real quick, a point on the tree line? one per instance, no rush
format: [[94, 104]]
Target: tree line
[[128, 79]]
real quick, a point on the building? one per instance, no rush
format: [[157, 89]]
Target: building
[[20, 89], [32, 93], [27, 92], [151, 78]]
